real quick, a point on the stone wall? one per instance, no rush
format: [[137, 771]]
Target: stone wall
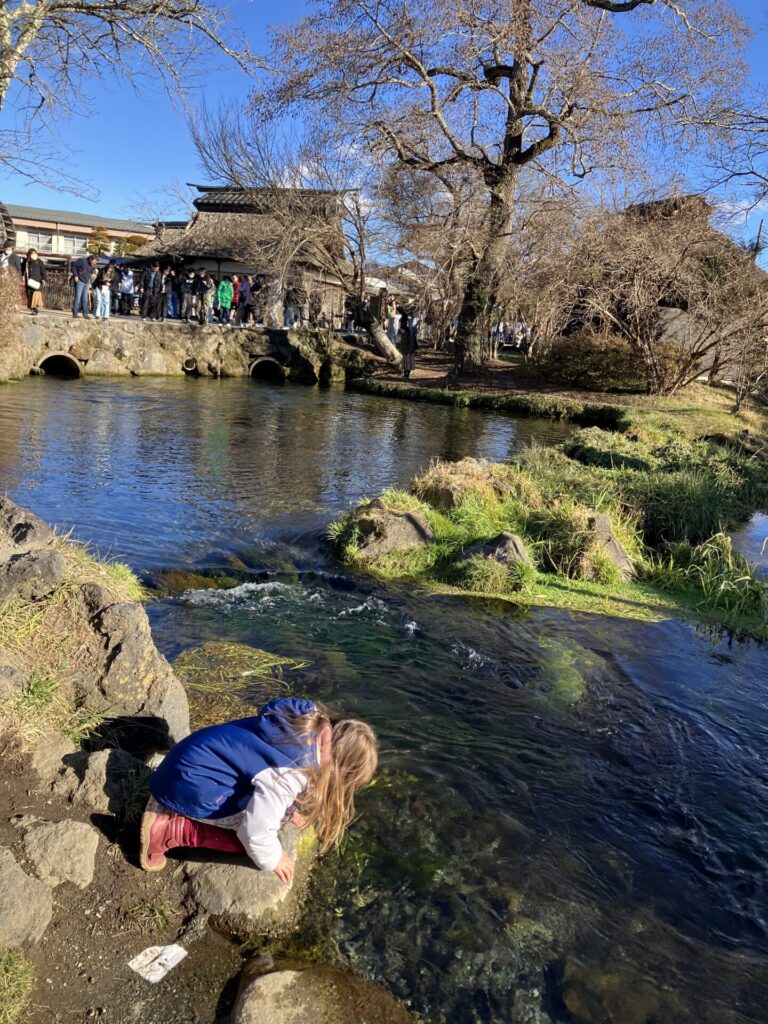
[[131, 347]]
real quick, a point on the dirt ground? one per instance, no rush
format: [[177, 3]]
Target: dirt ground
[[81, 962], [435, 369]]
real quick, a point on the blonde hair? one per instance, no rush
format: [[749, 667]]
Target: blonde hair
[[328, 802]]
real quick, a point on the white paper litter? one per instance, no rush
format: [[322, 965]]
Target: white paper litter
[[156, 961]]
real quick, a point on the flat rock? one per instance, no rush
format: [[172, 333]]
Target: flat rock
[[104, 781], [21, 530], [26, 904], [31, 575], [383, 530], [62, 851], [315, 995], [507, 549], [242, 898]]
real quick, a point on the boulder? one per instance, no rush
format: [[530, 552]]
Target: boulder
[[31, 575], [106, 781], [26, 904], [507, 549], [105, 362], [20, 530], [242, 899], [604, 539], [62, 851], [383, 530], [130, 675], [315, 995]]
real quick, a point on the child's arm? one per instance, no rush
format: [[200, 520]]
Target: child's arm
[[274, 790]]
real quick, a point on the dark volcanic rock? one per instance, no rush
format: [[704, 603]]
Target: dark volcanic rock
[[605, 540], [31, 575], [20, 530], [507, 549], [383, 530]]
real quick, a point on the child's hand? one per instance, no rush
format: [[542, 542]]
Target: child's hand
[[284, 869], [298, 820]]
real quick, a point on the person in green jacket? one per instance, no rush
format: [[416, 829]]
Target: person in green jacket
[[224, 294]]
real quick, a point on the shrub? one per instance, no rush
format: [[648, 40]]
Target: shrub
[[594, 362]]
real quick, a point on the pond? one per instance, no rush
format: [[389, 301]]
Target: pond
[[570, 821]]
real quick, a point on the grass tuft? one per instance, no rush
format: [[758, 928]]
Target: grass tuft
[[17, 976]]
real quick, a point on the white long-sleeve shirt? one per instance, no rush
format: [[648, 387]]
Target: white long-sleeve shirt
[[274, 790]]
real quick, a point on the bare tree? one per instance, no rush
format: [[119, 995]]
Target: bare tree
[[49, 47], [314, 202], [506, 89], [677, 291]]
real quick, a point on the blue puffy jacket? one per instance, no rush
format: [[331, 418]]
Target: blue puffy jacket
[[254, 766]]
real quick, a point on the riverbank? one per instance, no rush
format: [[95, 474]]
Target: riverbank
[[698, 411], [627, 524], [88, 705]]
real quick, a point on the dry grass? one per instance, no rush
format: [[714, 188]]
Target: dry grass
[[446, 484], [17, 977]]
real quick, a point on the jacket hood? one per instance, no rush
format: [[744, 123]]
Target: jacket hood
[[274, 726]]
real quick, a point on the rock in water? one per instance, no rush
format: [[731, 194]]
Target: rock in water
[[26, 905], [507, 548], [383, 530], [316, 995], [62, 851], [240, 898], [31, 575]]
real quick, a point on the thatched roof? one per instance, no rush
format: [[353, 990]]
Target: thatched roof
[[255, 227]]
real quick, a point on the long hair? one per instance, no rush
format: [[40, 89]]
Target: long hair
[[328, 802]]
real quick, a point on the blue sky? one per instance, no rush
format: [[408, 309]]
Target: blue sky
[[139, 144]]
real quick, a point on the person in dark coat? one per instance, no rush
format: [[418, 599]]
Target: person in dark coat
[[33, 275], [151, 283], [82, 271], [244, 301], [10, 260], [188, 286]]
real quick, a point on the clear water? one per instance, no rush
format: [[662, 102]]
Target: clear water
[[571, 821]]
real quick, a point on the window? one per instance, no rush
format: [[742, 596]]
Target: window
[[74, 245], [40, 240]]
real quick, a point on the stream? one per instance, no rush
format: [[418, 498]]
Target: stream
[[570, 821]]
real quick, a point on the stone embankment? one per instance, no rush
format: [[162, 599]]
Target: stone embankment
[[128, 346], [87, 704]]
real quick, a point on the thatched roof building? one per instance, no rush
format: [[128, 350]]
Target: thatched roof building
[[293, 234]]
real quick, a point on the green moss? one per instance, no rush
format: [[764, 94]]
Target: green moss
[[17, 976]]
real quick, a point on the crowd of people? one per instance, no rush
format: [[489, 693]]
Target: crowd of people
[[192, 296]]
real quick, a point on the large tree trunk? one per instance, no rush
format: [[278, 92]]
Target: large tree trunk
[[378, 336], [481, 290]]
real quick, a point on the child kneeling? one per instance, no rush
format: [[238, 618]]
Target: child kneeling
[[230, 787]]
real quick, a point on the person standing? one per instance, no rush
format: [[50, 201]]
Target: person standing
[[245, 301], [114, 288], [103, 291], [33, 275], [151, 281], [205, 291], [164, 295], [225, 296], [9, 260], [393, 322], [188, 285], [126, 292], [82, 270], [408, 343]]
